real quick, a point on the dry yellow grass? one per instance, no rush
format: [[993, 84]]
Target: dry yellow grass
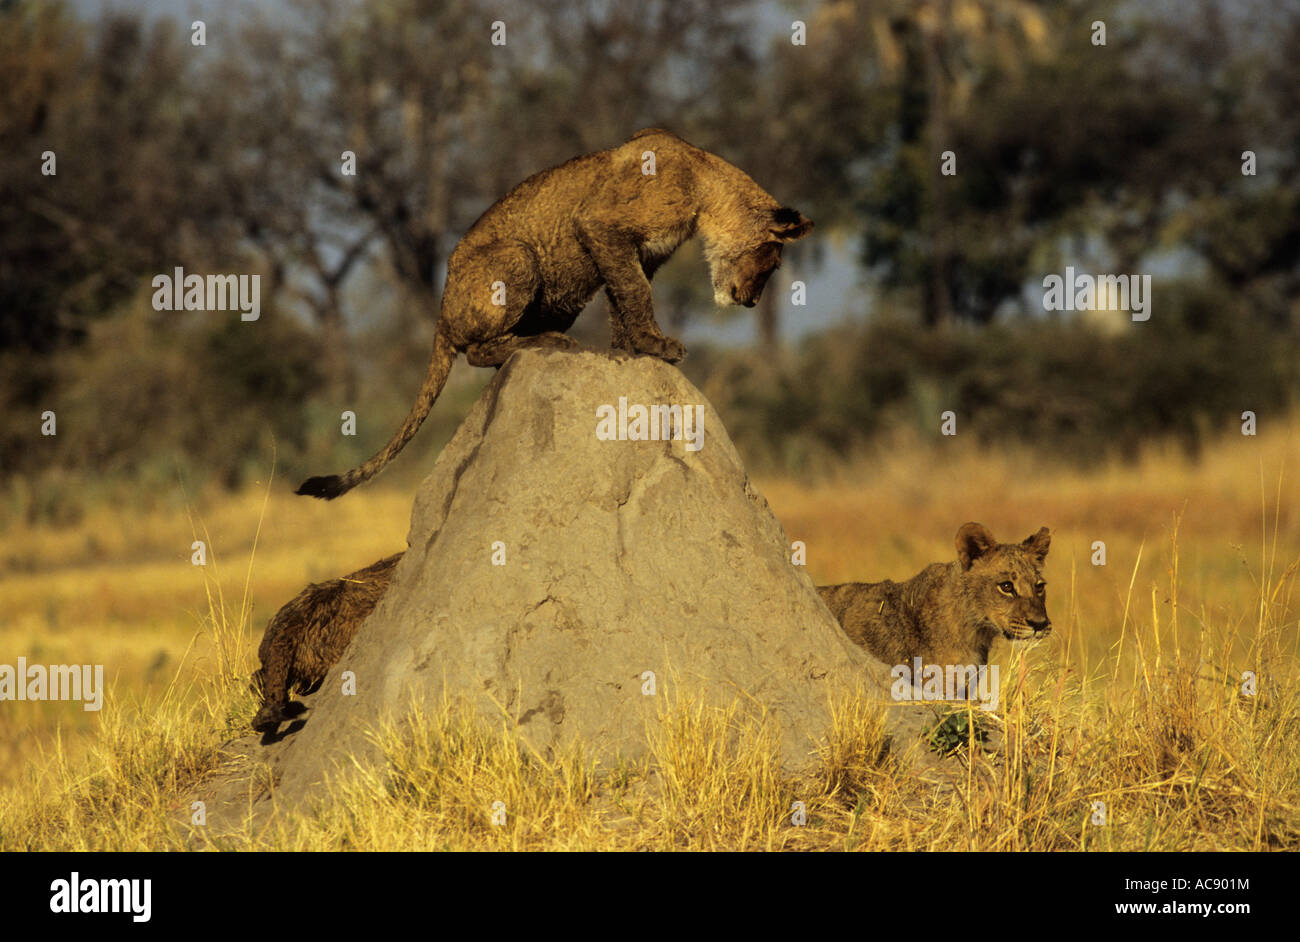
[[119, 589], [1134, 709]]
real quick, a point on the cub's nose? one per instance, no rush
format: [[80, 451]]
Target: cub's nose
[[1039, 624], [736, 297]]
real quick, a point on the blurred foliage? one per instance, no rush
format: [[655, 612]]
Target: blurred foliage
[[1117, 158], [1059, 387], [155, 396]]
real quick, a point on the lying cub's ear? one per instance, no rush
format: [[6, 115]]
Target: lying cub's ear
[[1038, 543], [973, 541], [789, 224]]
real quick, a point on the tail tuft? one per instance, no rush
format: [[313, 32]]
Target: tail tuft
[[326, 488]]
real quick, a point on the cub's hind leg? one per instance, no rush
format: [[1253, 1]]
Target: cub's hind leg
[[489, 290], [273, 679], [496, 352]]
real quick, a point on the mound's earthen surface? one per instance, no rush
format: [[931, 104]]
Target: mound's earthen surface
[[548, 570]]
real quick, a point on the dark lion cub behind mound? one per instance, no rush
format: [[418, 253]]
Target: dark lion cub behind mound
[[949, 613], [309, 634]]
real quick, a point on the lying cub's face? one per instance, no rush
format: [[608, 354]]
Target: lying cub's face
[[1004, 581]]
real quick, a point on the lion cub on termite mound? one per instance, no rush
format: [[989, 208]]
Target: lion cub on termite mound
[[525, 270], [309, 634], [950, 613]]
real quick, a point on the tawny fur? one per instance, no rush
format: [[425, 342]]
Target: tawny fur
[[307, 636], [548, 245], [950, 613]]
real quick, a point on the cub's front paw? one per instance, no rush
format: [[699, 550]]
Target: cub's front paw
[[665, 348], [269, 718]]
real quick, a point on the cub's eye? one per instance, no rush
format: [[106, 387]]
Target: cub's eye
[[1040, 586], [1006, 588]]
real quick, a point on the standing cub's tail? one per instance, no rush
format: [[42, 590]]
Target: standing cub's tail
[[331, 486]]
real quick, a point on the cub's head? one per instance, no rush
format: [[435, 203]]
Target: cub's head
[[1004, 581], [744, 255]]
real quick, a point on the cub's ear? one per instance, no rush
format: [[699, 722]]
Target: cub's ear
[[973, 541], [1038, 543], [789, 224]]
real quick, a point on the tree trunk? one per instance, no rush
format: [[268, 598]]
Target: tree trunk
[[938, 308], [337, 364], [768, 317]]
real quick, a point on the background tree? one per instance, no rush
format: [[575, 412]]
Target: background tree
[[1125, 157]]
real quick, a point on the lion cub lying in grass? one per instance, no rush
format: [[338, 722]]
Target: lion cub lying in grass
[[949, 613], [306, 637]]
